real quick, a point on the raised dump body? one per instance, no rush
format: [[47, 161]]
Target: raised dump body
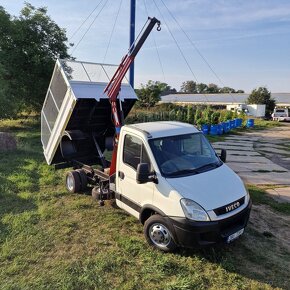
[[76, 118]]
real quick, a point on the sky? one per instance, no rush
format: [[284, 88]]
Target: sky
[[246, 44]]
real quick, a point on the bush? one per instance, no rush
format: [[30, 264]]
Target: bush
[[200, 122], [226, 115], [198, 115], [215, 117], [207, 115], [190, 115]]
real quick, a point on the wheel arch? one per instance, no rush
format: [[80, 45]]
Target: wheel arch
[[147, 210]]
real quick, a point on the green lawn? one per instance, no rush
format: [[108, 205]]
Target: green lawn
[[54, 240]]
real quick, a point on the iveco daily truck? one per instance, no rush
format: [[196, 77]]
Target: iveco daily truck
[[166, 174]]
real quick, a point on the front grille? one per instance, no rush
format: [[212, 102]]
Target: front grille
[[229, 207]]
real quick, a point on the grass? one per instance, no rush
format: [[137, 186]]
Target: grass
[[261, 124], [259, 196], [50, 239], [217, 138]]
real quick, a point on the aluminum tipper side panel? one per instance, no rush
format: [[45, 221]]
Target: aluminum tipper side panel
[[76, 121]]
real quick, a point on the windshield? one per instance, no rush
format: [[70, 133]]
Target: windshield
[[184, 155]]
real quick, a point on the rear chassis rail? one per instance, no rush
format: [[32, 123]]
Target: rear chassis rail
[[100, 181]]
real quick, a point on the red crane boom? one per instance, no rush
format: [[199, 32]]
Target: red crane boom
[[113, 87]]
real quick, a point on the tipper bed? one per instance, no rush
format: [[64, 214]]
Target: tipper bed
[[76, 118]]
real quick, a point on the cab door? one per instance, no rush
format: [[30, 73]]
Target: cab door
[[133, 195]]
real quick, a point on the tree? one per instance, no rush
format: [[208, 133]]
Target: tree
[[29, 46], [227, 90], [149, 94], [262, 95], [212, 89], [201, 88], [166, 89], [188, 87]]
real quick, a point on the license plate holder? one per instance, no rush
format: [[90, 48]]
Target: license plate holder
[[235, 235]]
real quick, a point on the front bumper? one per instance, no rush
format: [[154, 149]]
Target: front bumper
[[191, 234]]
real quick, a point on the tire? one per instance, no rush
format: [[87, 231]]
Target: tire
[[73, 182], [158, 234], [83, 178]]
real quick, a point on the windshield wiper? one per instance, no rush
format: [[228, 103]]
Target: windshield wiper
[[206, 166], [194, 170], [183, 171]]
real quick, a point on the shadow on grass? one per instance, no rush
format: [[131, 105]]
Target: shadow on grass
[[11, 203], [255, 256], [19, 177]]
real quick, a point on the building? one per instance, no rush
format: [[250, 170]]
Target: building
[[282, 99]]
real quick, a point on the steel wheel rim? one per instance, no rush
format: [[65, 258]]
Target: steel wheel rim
[[70, 183], [159, 235]]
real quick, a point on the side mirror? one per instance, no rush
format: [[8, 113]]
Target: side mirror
[[143, 174], [223, 156]]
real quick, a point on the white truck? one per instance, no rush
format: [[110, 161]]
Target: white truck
[[171, 179], [166, 174], [281, 115]]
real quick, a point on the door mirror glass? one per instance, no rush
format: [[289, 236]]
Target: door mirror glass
[[143, 173], [223, 156]]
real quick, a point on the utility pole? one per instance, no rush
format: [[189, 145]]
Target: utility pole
[[132, 38]]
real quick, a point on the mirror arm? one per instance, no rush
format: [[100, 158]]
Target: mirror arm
[[153, 177]]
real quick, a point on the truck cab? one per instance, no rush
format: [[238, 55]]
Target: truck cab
[[170, 178]]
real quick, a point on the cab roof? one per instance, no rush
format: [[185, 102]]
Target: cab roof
[[163, 128]]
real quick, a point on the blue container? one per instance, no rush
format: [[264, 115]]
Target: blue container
[[205, 129], [220, 129], [213, 130], [238, 122], [250, 123], [232, 124], [226, 127]]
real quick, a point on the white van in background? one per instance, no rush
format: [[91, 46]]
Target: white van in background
[[281, 114]]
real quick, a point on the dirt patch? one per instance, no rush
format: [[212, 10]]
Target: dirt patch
[[271, 224], [7, 142]]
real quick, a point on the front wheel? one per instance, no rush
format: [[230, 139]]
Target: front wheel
[[158, 235]]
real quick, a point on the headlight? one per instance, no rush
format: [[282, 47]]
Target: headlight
[[193, 211]]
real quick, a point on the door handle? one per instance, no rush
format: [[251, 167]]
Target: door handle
[[121, 175]]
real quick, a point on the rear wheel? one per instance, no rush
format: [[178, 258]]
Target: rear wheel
[[73, 182], [83, 178], [158, 234]]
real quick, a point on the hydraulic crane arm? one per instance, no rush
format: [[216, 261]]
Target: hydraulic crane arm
[[113, 87], [115, 83]]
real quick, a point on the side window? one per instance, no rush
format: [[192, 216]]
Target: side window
[[144, 156], [134, 152]]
